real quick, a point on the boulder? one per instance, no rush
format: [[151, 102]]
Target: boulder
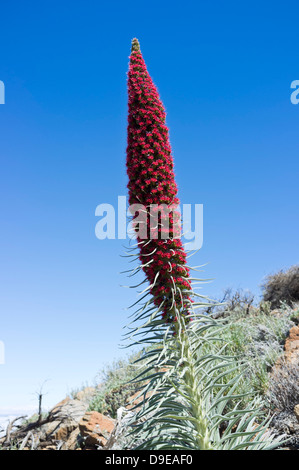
[[86, 394], [95, 428], [70, 409], [292, 345], [135, 402], [72, 441], [60, 405], [66, 416]]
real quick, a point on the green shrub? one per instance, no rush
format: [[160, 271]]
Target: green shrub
[[259, 338], [282, 287]]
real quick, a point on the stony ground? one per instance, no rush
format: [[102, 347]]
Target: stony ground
[[71, 425]]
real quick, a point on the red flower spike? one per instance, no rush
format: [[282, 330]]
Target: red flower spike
[[152, 182]]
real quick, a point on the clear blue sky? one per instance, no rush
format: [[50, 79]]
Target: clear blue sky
[[224, 71]]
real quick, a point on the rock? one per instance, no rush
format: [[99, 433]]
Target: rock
[[296, 411], [96, 428], [60, 405], [66, 416], [292, 345], [72, 441], [135, 400], [64, 431], [70, 409], [86, 394]]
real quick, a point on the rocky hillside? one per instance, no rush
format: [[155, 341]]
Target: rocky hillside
[[97, 417], [69, 426]]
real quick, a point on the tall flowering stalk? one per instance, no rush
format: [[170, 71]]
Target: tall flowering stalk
[[189, 399], [152, 184]]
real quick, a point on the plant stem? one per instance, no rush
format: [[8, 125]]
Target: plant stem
[[193, 390]]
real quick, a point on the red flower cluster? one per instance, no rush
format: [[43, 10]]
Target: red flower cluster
[[152, 182]]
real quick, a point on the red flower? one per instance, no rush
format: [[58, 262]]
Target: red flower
[[152, 181]]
